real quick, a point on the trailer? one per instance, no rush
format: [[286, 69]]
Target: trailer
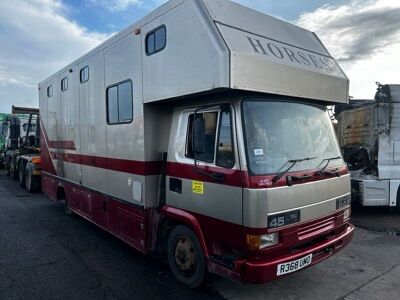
[[369, 135], [201, 133]]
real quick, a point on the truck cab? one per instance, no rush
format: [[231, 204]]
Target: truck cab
[[265, 180]]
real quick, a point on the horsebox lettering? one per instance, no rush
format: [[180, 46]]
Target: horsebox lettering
[[292, 55]]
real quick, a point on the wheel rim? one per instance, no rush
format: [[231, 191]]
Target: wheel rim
[[185, 256]]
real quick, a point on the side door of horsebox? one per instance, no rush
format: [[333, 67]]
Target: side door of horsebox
[[213, 191], [124, 139]]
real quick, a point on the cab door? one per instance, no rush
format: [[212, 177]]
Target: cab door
[[211, 189]]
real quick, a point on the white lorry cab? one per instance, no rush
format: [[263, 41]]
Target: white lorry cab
[[369, 135], [202, 132]]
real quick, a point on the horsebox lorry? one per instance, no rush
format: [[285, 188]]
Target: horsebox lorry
[[369, 135], [201, 132]]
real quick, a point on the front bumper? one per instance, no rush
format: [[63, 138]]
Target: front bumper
[[261, 271]]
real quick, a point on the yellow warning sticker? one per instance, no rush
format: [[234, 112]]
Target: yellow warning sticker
[[198, 187]]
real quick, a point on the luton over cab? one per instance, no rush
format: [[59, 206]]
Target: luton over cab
[[201, 133]]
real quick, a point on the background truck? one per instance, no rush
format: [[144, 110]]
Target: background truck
[[201, 132], [10, 132], [3, 119], [22, 154], [369, 135]]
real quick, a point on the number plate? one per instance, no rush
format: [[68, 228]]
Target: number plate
[[293, 266], [284, 219], [343, 202]]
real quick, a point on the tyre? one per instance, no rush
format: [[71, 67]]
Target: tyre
[[21, 174], [67, 210], [8, 166], [185, 257], [397, 208], [32, 183], [13, 170]]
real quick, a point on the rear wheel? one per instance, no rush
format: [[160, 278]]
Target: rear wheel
[[32, 183], [21, 174], [185, 257], [13, 170]]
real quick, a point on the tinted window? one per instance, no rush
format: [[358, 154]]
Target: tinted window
[[156, 40], [151, 44], [125, 102], [64, 84], [225, 157], [112, 105], [84, 74], [160, 38], [120, 103], [50, 91]]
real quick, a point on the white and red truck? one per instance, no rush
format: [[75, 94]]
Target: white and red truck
[[201, 131]]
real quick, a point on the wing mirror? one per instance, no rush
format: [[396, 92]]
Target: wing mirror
[[199, 135]]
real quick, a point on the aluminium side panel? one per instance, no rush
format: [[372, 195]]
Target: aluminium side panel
[[53, 120], [157, 124], [194, 60], [69, 139], [125, 142], [93, 125]]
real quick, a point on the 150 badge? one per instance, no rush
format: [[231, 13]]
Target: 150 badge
[[284, 219]]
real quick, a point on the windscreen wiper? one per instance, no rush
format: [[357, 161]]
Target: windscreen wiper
[[328, 160], [292, 163]]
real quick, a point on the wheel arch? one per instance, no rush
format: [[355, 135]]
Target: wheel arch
[[180, 217]]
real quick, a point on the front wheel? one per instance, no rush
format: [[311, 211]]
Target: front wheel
[[185, 257]]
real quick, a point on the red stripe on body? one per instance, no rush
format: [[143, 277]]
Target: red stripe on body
[[64, 145], [113, 164], [231, 177]]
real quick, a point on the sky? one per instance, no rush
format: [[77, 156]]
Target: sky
[[39, 37]]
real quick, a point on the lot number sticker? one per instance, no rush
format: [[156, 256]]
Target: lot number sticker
[[198, 187]]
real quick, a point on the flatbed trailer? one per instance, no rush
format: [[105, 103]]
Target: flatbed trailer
[[201, 132]]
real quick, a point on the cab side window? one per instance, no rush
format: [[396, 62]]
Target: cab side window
[[218, 139], [225, 155]]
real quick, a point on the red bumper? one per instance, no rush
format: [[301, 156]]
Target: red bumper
[[263, 271]]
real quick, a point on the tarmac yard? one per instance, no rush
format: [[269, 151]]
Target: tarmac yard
[[45, 254]]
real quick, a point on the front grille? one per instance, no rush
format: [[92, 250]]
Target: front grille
[[316, 228]]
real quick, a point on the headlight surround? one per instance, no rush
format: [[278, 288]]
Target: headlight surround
[[347, 214], [258, 242]]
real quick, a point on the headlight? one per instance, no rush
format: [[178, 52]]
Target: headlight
[[257, 242], [347, 214]]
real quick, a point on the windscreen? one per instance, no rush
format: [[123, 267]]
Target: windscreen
[[279, 131]]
